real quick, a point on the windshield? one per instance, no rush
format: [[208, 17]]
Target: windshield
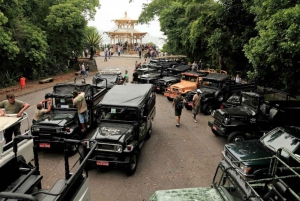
[[118, 113], [278, 138], [226, 187], [250, 101], [211, 84], [189, 78]]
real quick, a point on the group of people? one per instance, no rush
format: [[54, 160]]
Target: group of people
[[84, 69], [108, 52], [17, 107], [179, 101]]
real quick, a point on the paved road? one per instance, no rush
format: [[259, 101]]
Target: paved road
[[172, 158]]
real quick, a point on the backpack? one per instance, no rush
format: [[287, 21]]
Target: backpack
[[179, 104]]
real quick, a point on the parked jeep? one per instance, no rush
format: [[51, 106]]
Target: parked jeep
[[262, 150], [20, 181], [172, 76], [217, 88], [189, 82], [126, 114], [108, 77], [281, 183], [62, 122], [253, 117]]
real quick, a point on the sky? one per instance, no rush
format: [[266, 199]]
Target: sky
[[115, 9]]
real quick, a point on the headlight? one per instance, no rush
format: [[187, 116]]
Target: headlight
[[36, 129], [245, 169], [213, 113], [58, 130], [118, 148], [226, 121]]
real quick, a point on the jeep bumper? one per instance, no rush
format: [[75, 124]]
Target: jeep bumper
[[104, 159], [169, 94], [217, 129]]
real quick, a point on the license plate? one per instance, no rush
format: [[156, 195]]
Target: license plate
[[190, 104], [157, 88], [215, 128], [44, 145], [102, 163]]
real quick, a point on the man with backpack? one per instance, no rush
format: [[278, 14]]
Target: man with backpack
[[178, 102]]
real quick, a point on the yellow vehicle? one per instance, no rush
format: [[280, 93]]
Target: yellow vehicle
[[189, 82]]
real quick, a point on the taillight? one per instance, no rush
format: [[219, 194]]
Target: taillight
[[221, 106], [129, 147], [68, 129]]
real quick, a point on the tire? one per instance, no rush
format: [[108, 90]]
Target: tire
[[237, 136], [72, 148], [131, 167], [215, 132], [219, 96], [207, 108], [170, 99], [149, 133]]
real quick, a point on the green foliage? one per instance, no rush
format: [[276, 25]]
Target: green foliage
[[93, 39], [38, 37]]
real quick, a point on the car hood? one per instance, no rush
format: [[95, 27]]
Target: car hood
[[239, 111], [252, 149], [206, 91], [57, 119], [202, 193], [112, 132], [183, 85]]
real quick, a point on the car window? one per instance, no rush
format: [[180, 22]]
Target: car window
[[278, 138]]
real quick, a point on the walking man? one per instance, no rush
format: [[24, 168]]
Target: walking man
[[79, 101], [135, 76], [196, 104], [12, 106], [178, 105]]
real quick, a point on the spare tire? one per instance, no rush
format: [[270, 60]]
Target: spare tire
[[219, 96]]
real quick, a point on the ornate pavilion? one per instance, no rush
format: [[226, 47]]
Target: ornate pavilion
[[125, 32]]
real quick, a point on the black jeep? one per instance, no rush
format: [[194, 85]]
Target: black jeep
[[108, 77], [126, 114], [62, 122], [172, 76], [254, 117], [217, 88]]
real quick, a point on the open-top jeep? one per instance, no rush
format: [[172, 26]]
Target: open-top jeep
[[254, 117], [62, 122], [189, 82], [126, 114], [262, 149], [281, 184], [20, 181], [108, 77], [217, 88]]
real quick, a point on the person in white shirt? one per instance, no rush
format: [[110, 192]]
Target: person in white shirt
[[238, 80]]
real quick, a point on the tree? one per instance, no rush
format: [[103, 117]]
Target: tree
[[93, 39]]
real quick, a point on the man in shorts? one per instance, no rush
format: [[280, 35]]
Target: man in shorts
[[178, 101], [83, 115], [12, 106], [196, 104]]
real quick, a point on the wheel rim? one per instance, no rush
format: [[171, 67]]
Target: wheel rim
[[209, 109], [238, 139], [133, 162]]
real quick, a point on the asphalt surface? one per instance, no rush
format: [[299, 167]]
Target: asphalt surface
[[172, 158]]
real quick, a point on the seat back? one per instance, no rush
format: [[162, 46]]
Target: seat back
[[9, 172], [277, 193]]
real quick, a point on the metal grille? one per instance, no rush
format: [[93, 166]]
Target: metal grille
[[106, 147], [218, 119]]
